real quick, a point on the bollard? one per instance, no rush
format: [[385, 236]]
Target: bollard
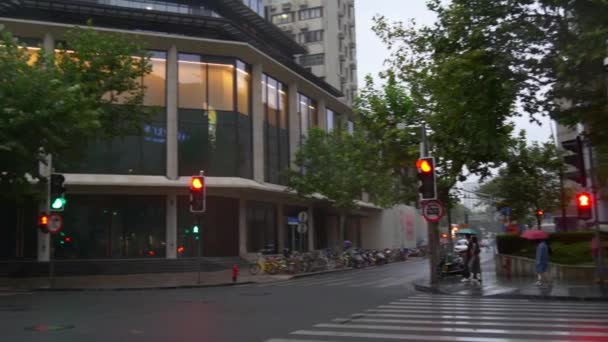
[[235, 273]]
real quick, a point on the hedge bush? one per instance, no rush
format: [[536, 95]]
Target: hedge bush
[[512, 244], [568, 247]]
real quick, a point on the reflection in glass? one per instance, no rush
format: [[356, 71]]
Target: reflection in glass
[[214, 106], [113, 226], [143, 154], [276, 132]]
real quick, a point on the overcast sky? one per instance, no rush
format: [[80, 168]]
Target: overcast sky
[[371, 53]]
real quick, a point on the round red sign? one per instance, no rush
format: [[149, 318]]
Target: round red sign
[[433, 210]]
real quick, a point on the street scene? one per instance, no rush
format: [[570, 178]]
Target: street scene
[[304, 170]]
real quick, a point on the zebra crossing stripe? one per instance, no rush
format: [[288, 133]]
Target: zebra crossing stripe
[[470, 300], [490, 306], [474, 307], [411, 314], [409, 337], [473, 322], [463, 330], [507, 314]]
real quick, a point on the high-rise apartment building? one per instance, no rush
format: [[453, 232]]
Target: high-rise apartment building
[[327, 29]]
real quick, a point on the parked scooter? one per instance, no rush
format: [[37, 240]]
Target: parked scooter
[[380, 258]]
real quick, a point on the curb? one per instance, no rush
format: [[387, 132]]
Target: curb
[[427, 289], [310, 274], [99, 289]]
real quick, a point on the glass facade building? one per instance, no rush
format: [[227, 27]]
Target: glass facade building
[[214, 128], [276, 130], [143, 154]]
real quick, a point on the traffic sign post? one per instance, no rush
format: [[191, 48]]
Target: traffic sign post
[[433, 210], [55, 224]]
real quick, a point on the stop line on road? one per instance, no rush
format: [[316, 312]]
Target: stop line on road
[[450, 318]]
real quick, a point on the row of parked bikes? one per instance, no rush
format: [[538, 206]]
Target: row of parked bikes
[[292, 262]]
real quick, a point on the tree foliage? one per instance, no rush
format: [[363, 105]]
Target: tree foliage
[[529, 180], [340, 166], [58, 102], [542, 57], [389, 118]]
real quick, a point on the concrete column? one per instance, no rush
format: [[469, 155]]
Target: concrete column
[[322, 112], [294, 123], [311, 230], [258, 123], [172, 153], [44, 239], [171, 226], [281, 227], [242, 227]]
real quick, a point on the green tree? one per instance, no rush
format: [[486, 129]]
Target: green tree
[[389, 118], [543, 56], [340, 166], [530, 180], [64, 100]]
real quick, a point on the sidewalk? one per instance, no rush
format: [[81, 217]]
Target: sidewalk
[[146, 281], [520, 287], [136, 281]]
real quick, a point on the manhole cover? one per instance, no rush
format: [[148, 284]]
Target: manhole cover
[[259, 294], [46, 327]]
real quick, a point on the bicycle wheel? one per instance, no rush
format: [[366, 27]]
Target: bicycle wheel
[[272, 269], [254, 269]]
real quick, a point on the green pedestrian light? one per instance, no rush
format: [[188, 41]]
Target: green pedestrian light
[[57, 192], [58, 203], [195, 229]]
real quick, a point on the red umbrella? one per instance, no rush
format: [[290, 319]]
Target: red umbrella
[[535, 235]]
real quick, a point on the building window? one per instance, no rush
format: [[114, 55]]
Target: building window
[[276, 130], [261, 226], [309, 116], [214, 125], [113, 226], [351, 127], [311, 60], [310, 13], [311, 36], [218, 233], [142, 154], [283, 18], [330, 117]]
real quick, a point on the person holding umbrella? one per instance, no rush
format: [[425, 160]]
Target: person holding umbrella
[[542, 255]]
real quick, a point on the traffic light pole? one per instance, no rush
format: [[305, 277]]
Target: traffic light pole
[[600, 267], [431, 227]]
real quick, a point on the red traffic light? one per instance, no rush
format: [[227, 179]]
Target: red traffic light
[[43, 220], [424, 165], [197, 183], [583, 200], [68, 239], [539, 212]]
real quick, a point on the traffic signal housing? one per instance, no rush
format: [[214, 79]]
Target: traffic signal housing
[[43, 222], [57, 192], [576, 160], [197, 194], [583, 205], [426, 176]]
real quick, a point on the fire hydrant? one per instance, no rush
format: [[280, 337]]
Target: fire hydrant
[[235, 273]]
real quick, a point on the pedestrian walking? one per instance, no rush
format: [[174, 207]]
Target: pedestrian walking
[[475, 264], [542, 263], [466, 272]]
